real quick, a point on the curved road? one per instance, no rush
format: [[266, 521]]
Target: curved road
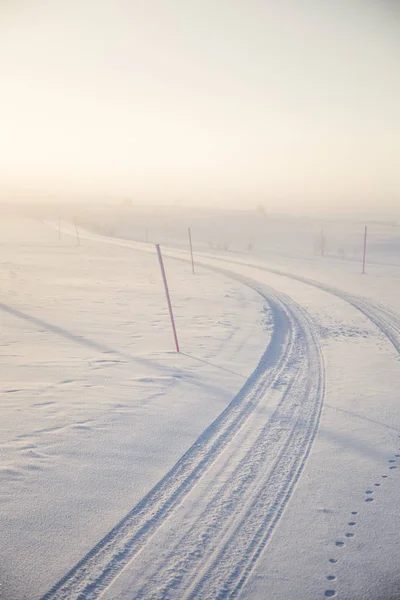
[[235, 480]]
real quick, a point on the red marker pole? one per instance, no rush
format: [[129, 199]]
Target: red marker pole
[[191, 249], [365, 249], [171, 314]]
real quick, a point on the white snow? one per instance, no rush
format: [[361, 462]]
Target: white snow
[[98, 408], [96, 405]]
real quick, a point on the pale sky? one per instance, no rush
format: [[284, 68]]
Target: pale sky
[[288, 102]]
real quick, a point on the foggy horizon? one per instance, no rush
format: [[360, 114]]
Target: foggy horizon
[[223, 105]]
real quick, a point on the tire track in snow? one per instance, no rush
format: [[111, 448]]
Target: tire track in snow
[[387, 321], [104, 562], [230, 584], [216, 554], [223, 575]]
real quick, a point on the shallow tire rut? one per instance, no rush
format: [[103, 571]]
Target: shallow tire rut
[[97, 570], [215, 556]]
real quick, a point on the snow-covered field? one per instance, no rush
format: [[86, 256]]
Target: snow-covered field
[[260, 462]]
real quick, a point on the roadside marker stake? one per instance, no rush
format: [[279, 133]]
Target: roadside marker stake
[[77, 232], [191, 249], [171, 314], [365, 249]]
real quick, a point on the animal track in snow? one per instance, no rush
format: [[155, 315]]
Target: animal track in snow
[[330, 593]]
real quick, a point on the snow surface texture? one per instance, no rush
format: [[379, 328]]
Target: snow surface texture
[[96, 405], [219, 523]]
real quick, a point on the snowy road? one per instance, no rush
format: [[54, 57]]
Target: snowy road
[[249, 461], [244, 493], [202, 529]]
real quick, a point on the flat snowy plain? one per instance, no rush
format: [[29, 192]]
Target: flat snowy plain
[[262, 461]]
